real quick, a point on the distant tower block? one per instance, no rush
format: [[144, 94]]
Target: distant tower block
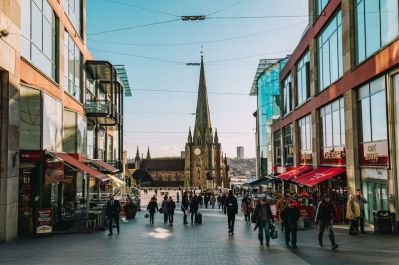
[[240, 152]]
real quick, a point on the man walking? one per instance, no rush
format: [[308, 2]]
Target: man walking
[[264, 217], [184, 207], [152, 208], [232, 210], [289, 217], [361, 201], [324, 218], [112, 210], [194, 209], [246, 205]]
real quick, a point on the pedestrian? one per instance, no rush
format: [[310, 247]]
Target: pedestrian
[[164, 209], [200, 200], [156, 192], [171, 206], [290, 216], [113, 209], [177, 197], [223, 202], [231, 209], [185, 207], [324, 218], [152, 208], [264, 219], [219, 199], [206, 200], [246, 206], [280, 206], [213, 201], [361, 200], [353, 214], [194, 209]]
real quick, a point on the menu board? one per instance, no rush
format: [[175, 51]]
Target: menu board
[[44, 221]]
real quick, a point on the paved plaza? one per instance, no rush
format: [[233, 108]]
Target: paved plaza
[[209, 243]]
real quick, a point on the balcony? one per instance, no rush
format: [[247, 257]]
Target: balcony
[[103, 111]]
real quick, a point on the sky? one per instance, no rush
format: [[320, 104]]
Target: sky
[[154, 45]]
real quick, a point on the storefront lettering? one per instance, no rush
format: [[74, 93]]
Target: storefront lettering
[[334, 155], [372, 154]]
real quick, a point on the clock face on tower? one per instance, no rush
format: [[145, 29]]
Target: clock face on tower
[[197, 151]]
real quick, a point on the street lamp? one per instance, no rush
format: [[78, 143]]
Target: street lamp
[[192, 18]]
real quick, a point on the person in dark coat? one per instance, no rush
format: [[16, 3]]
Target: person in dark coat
[[194, 209], [324, 218], [223, 202], [290, 216], [152, 208], [207, 197], [200, 200], [171, 206], [113, 209], [264, 217], [164, 209], [231, 209], [185, 204]]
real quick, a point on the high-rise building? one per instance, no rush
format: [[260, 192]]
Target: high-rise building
[[240, 152]]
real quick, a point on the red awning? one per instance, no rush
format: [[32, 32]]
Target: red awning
[[294, 172], [318, 175], [79, 165], [106, 166]]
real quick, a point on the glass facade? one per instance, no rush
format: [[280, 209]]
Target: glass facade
[[288, 146], [38, 35], [52, 123], [277, 148], [70, 136], [30, 121], [302, 79], [72, 67], [73, 8], [305, 130], [333, 124], [330, 52], [373, 110], [320, 5], [287, 100], [377, 24], [90, 141], [81, 131]]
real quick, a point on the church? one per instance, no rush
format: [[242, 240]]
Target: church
[[203, 164]]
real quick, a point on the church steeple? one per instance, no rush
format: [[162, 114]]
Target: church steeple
[[137, 158], [202, 118], [216, 137], [190, 137], [148, 153]]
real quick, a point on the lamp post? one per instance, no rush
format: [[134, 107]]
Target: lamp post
[[193, 18]]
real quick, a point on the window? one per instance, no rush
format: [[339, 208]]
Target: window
[[320, 5], [277, 148], [377, 23], [287, 95], [70, 136], [52, 123], [38, 39], [72, 67], [73, 9], [288, 146], [333, 124], [101, 144], [110, 149], [81, 134], [330, 52], [90, 141], [372, 103], [305, 130], [302, 79], [30, 119]]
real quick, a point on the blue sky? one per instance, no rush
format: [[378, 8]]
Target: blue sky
[[232, 49]]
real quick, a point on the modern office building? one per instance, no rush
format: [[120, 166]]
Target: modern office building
[[338, 130], [240, 152], [266, 87], [61, 116]]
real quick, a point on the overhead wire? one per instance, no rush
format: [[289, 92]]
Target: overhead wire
[[142, 8], [226, 7]]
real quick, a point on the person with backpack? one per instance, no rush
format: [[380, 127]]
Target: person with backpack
[[264, 219], [324, 218], [231, 209], [152, 208], [164, 209], [290, 216], [171, 206], [194, 209], [246, 205]]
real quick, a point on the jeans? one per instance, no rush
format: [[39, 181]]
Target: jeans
[[165, 218], [322, 226], [290, 235], [248, 218], [152, 218], [231, 217], [194, 214], [264, 225], [361, 222], [114, 218], [353, 226], [170, 218]]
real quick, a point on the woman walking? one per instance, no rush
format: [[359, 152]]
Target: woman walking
[[184, 207], [152, 208], [352, 214], [246, 208], [171, 206], [164, 209]]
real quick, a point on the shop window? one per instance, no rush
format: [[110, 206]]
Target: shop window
[[333, 124], [376, 24], [277, 148], [288, 146], [320, 5], [373, 116], [52, 123], [30, 119], [38, 38], [72, 67], [73, 8], [305, 130], [81, 131], [110, 148], [302, 79], [330, 52], [287, 104]]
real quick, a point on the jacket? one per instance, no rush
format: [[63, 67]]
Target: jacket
[[194, 204], [231, 205], [290, 217], [171, 206], [152, 206], [258, 213], [246, 205], [352, 209], [164, 208], [114, 209], [325, 211], [185, 203]]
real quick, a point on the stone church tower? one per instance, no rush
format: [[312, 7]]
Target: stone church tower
[[203, 152]]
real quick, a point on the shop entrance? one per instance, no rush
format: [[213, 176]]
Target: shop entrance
[[377, 199]]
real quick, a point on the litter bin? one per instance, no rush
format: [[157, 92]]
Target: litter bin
[[382, 221]]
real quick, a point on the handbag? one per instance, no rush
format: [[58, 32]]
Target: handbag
[[146, 215], [187, 212], [273, 231]]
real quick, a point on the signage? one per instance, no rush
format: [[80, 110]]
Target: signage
[[31, 156], [44, 221], [373, 154], [305, 157], [54, 171], [333, 156]]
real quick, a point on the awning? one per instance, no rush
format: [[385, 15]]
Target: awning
[[117, 181], [296, 171], [318, 175], [257, 183], [104, 166], [71, 161]]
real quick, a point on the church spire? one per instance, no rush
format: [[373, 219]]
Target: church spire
[[148, 153], [202, 118], [137, 158], [216, 137], [190, 137]]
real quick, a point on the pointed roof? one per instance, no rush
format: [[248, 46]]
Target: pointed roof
[[190, 137], [148, 153], [216, 137], [202, 118], [137, 158]]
